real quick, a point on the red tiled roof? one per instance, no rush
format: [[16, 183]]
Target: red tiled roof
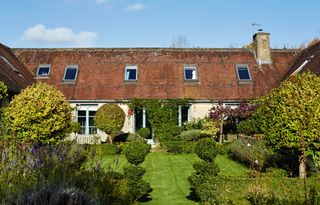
[[160, 72], [310, 54], [12, 72]]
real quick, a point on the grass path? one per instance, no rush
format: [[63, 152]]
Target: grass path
[[168, 174]]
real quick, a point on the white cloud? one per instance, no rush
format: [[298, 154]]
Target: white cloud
[[40, 34], [135, 7]]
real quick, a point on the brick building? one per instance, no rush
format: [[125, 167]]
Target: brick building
[[90, 77]]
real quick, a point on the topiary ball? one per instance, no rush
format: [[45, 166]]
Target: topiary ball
[[136, 152], [144, 132], [109, 118], [206, 149]]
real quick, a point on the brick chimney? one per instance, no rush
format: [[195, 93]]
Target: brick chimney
[[261, 42]]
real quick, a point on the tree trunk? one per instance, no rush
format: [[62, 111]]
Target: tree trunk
[[302, 166], [221, 129], [110, 139]]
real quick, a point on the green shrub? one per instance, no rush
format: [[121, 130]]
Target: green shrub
[[132, 137], [75, 127], [207, 188], [105, 149], [248, 127], [223, 149], [204, 180], [133, 172], [109, 118], [3, 91], [144, 132], [206, 149], [250, 152], [194, 124], [205, 168], [275, 172], [209, 127], [136, 152], [188, 147], [176, 130], [137, 189], [192, 135], [39, 114], [105, 187], [175, 147]]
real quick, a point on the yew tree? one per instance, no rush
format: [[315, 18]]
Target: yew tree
[[39, 114], [289, 116]]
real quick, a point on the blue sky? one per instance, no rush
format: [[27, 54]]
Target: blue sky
[[155, 23]]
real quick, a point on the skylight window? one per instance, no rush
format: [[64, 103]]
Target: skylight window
[[131, 73], [190, 72], [71, 73], [43, 70], [243, 73]]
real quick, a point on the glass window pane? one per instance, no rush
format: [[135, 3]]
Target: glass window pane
[[82, 130], [43, 71], [81, 113], [131, 74], [92, 130], [82, 121], [71, 73], [92, 113], [190, 74], [243, 74]]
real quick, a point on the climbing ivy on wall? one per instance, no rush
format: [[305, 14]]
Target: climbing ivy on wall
[[162, 114]]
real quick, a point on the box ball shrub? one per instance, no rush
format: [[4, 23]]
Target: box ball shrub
[[136, 152], [109, 118], [206, 149], [133, 172], [203, 167], [144, 132]]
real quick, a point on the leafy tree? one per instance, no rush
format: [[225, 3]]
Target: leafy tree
[[110, 119], [223, 113], [3, 90], [289, 116], [39, 114]]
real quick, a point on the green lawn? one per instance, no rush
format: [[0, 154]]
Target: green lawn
[[168, 173]]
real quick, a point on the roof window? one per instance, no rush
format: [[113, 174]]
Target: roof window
[[70, 73], [43, 70], [243, 73], [190, 73], [131, 73]]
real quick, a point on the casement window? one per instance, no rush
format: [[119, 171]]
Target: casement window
[[85, 118], [131, 73], [190, 73], [43, 70], [243, 73], [71, 73]]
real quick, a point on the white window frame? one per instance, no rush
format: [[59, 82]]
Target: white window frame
[[44, 66], [130, 67], [70, 67], [194, 70], [243, 66], [87, 109]]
